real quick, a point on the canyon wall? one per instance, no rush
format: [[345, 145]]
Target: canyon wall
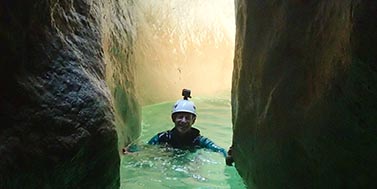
[[67, 102], [304, 93], [183, 44]]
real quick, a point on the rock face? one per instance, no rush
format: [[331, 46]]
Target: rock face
[[58, 119], [304, 94], [183, 44]]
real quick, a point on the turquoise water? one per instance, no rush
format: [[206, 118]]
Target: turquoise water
[[156, 167]]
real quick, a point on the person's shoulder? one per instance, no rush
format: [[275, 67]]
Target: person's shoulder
[[160, 137], [164, 133], [193, 129]]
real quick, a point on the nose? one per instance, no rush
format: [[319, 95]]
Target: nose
[[184, 120]]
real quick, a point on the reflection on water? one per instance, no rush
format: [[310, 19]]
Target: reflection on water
[[160, 167]]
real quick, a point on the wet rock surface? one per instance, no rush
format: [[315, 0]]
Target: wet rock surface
[[57, 113], [304, 94]]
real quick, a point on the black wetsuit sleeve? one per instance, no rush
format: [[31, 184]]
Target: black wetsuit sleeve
[[154, 140], [160, 138]]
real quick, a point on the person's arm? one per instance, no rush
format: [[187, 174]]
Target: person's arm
[[207, 143], [130, 149], [154, 140]]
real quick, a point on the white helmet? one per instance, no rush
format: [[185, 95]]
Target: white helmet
[[184, 106]]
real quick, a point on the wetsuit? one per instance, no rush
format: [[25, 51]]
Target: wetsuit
[[192, 139]]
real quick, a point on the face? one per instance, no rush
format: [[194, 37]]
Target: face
[[183, 121]]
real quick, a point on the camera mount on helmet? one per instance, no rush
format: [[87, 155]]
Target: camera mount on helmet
[[184, 105], [186, 94]]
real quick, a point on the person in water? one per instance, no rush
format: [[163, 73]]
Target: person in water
[[183, 135]]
